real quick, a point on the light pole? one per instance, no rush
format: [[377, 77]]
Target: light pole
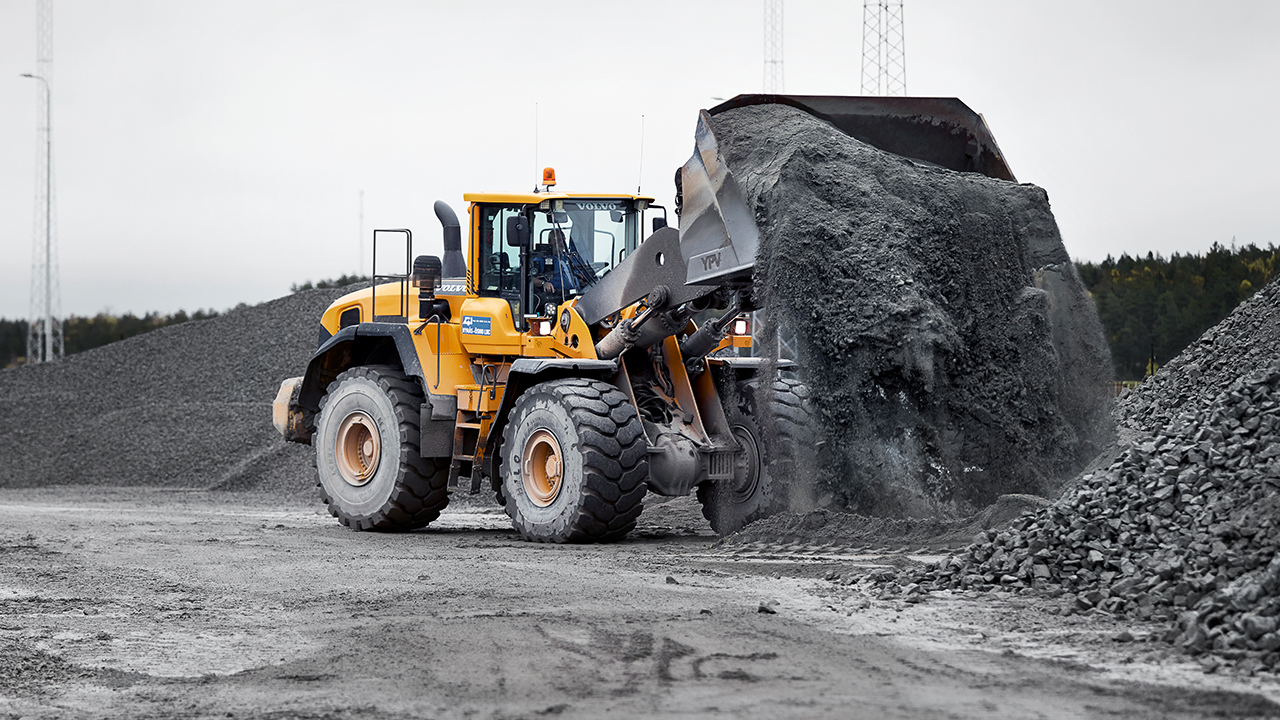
[[48, 217]]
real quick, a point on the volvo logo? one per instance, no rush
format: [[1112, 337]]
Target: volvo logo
[[597, 206]]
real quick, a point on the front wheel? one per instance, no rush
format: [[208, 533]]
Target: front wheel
[[768, 447], [574, 462], [372, 475]]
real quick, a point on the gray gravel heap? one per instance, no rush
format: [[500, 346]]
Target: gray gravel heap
[[1184, 527], [187, 405], [953, 353], [1205, 369]]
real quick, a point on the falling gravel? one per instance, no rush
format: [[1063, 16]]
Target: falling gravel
[[953, 352], [184, 406]]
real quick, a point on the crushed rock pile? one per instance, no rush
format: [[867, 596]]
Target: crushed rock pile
[[953, 353], [1208, 367], [1184, 527], [186, 406]]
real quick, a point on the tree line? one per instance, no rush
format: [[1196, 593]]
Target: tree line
[[84, 333], [1153, 307]]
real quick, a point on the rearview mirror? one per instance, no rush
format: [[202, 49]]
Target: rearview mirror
[[518, 231], [659, 223]]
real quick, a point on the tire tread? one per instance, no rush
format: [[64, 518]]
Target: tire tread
[[421, 493], [614, 459]]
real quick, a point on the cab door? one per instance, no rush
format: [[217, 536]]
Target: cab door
[[492, 322]]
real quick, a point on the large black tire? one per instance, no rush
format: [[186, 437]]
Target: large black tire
[[367, 436], [574, 462], [770, 447]]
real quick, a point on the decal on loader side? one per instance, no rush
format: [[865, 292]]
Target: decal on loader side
[[475, 325]]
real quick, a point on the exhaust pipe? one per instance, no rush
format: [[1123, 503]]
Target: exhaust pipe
[[454, 262]]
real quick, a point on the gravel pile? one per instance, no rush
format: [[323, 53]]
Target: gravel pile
[[182, 406], [1215, 361], [953, 353], [1184, 527]]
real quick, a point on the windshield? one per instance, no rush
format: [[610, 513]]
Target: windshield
[[575, 243]]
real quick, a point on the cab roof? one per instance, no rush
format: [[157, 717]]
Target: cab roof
[[535, 198]]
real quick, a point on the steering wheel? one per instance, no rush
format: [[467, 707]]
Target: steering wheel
[[491, 277]]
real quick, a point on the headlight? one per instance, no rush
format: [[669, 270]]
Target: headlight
[[741, 326]]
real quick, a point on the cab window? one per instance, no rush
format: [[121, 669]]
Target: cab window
[[499, 262], [575, 243]]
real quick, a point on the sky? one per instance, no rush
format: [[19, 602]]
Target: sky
[[213, 153]]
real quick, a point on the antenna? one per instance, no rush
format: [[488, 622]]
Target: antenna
[[536, 171], [360, 265], [640, 179]]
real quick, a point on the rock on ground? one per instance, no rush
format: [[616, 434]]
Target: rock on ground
[[953, 353], [186, 405], [1184, 527]]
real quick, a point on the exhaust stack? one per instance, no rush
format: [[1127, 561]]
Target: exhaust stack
[[454, 262]]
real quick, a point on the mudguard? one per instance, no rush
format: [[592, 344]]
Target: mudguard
[[369, 343]]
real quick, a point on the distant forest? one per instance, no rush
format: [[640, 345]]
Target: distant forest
[[1150, 307], [84, 333], [1153, 307]]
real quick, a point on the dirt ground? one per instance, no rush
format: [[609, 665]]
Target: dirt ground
[[161, 603]]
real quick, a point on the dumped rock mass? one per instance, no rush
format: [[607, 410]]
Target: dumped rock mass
[[953, 353]]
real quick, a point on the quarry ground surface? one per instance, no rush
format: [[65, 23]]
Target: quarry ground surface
[[145, 602]]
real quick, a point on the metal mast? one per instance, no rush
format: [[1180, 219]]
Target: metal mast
[[44, 327], [773, 46], [884, 60]]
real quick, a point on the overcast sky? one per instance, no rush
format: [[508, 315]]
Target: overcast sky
[[209, 153]]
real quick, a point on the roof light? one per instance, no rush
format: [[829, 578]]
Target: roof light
[[548, 176]]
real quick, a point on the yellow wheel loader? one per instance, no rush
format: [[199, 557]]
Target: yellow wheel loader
[[559, 359]]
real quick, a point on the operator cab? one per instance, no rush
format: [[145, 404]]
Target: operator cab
[[538, 251]]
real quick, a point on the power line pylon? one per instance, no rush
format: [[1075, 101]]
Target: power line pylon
[[884, 59], [44, 326], [773, 78]]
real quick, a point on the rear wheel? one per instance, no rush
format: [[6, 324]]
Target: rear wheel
[[769, 445], [367, 437], [574, 462]]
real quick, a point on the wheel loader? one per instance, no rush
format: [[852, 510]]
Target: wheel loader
[[571, 365]]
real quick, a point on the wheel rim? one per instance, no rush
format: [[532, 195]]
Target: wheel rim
[[358, 447], [542, 468], [746, 466]]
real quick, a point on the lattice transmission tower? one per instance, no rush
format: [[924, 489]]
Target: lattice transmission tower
[[44, 325], [773, 78], [884, 60]]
